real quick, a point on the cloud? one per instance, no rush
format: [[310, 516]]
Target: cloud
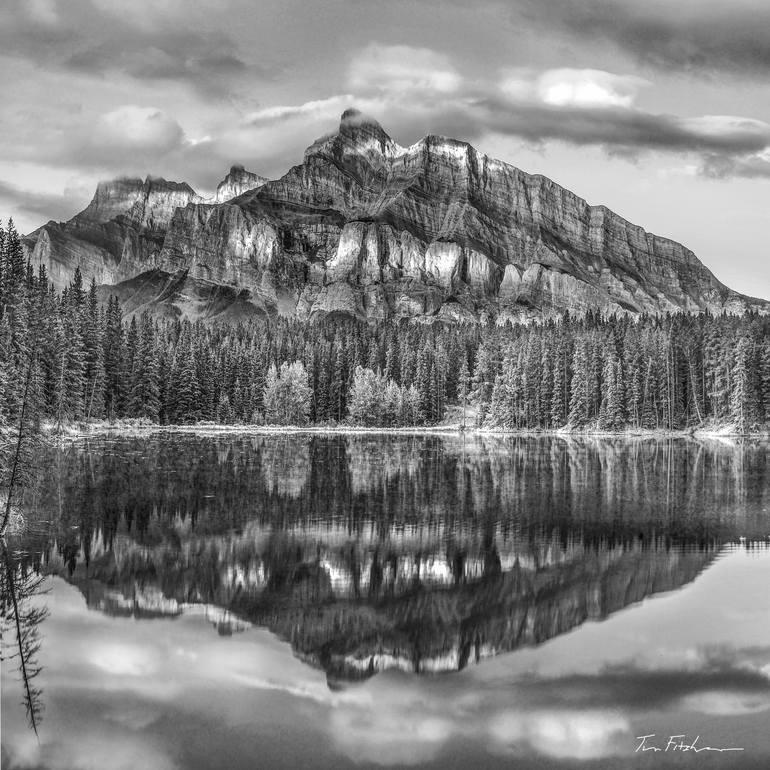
[[755, 166], [175, 57], [26, 205], [562, 733], [703, 37], [564, 87], [163, 41], [708, 683], [131, 127], [317, 109], [91, 750], [129, 139], [44, 11], [588, 88], [628, 129], [402, 68], [390, 736]]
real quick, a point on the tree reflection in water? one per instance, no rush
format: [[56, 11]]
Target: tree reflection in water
[[21, 615]]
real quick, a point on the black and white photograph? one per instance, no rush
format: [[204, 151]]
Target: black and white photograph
[[384, 384]]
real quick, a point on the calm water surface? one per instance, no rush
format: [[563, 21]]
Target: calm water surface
[[355, 601]]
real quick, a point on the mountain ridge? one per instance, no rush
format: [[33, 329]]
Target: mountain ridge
[[371, 229]]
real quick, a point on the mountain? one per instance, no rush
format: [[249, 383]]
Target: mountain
[[368, 228], [118, 235]]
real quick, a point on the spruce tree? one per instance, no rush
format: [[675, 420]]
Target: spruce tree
[[742, 397], [15, 266], [113, 354], [560, 391], [581, 386]]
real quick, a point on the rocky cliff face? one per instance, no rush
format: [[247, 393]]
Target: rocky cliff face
[[372, 229]]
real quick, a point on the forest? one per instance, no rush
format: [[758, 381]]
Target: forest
[[67, 358]]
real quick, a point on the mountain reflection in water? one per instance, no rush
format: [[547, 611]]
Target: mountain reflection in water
[[178, 568], [367, 553]]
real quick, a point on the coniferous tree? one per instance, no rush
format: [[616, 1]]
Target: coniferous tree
[[114, 392], [3, 266], [15, 266], [94, 378], [560, 391], [612, 415], [184, 396], [581, 389], [463, 385], [764, 364], [144, 393], [484, 375], [742, 398]]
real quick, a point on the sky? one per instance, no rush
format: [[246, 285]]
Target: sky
[[659, 110]]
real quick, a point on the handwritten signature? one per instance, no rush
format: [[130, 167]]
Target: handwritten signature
[[676, 743]]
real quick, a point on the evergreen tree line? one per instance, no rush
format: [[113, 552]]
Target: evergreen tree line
[[78, 360]]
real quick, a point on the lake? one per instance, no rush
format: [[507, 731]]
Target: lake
[[340, 601]]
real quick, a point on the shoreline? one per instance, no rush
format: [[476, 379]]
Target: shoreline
[[138, 428]]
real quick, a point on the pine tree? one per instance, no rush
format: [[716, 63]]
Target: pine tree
[[742, 398], [339, 385], [3, 266], [580, 389], [765, 377], [7, 372], [185, 390], [75, 369], [94, 356], [77, 294], [423, 382], [373, 361], [114, 365], [484, 374], [611, 415], [15, 267], [144, 393], [560, 391], [392, 368], [463, 385]]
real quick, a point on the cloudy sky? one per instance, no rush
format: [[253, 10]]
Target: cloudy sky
[[657, 109]]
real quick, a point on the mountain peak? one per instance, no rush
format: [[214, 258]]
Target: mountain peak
[[237, 182], [354, 117], [112, 198], [146, 202], [354, 123], [358, 133]]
